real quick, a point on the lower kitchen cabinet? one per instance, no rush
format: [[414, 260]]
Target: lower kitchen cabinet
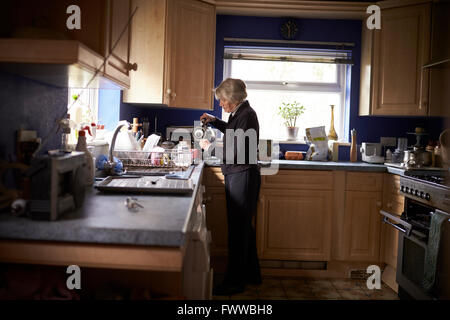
[[393, 203], [294, 224], [362, 226], [216, 219]]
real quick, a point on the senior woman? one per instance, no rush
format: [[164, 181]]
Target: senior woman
[[242, 184]]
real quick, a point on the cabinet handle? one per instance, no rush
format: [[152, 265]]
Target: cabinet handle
[[132, 66], [379, 204], [169, 94]]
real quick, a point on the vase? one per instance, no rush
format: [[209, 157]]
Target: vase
[[332, 135], [292, 133]]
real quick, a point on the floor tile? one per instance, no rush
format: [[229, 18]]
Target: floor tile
[[326, 294], [353, 294], [346, 284], [381, 294], [300, 293], [275, 291], [319, 283], [292, 283]]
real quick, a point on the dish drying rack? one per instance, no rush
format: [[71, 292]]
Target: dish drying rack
[[170, 158]]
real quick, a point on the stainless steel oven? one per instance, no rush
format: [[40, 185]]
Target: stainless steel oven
[[423, 260]]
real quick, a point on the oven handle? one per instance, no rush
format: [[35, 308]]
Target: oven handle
[[386, 216]]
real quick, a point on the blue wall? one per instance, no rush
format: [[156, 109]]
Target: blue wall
[[26, 104], [369, 128]]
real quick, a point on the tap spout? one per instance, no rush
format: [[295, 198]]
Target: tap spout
[[113, 141]]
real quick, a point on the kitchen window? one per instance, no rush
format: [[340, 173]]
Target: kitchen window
[[314, 78], [83, 109]]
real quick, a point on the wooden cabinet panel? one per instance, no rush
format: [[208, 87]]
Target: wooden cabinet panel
[[364, 181], [216, 220], [175, 52], [190, 59], [294, 225], [401, 48], [214, 177], [362, 225], [147, 50], [299, 179], [118, 12], [393, 203], [393, 81]]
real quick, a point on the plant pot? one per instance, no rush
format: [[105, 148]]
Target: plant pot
[[292, 133]]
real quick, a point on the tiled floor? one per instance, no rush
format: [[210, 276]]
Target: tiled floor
[[274, 288]]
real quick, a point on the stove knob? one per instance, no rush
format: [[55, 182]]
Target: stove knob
[[402, 188], [422, 195], [411, 191], [407, 190], [417, 193], [428, 197]]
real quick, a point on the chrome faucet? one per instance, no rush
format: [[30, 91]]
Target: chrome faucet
[[111, 164]]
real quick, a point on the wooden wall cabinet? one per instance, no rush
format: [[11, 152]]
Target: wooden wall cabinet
[[102, 23], [173, 44], [393, 81]]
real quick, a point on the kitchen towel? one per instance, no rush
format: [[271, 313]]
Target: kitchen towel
[[433, 249]]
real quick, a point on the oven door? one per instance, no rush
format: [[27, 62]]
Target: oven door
[[410, 265], [410, 258]]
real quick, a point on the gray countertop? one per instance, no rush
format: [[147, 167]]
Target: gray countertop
[[324, 165], [103, 218]]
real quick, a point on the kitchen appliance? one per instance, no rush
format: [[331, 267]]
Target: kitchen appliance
[[423, 260], [398, 155], [57, 185], [417, 157], [371, 152]]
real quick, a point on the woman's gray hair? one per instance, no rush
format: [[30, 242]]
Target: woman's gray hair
[[232, 90]]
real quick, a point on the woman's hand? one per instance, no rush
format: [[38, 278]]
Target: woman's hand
[[204, 144], [206, 117]]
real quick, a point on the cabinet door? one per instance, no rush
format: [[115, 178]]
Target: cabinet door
[[401, 48], [216, 220], [294, 225], [362, 225], [117, 66], [393, 203], [189, 71]]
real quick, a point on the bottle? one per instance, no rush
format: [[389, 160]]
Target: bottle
[[89, 168], [388, 155], [93, 130], [332, 135], [353, 155], [65, 134]]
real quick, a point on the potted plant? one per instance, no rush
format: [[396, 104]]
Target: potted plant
[[289, 112]]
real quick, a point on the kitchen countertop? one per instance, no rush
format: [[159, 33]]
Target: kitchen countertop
[[103, 218], [324, 165]]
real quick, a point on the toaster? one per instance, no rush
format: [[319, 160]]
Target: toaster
[[371, 152]]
